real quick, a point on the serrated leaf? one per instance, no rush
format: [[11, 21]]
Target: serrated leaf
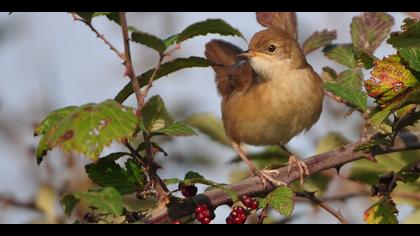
[[412, 56], [382, 212], [410, 172], [89, 128], [106, 172], [105, 200], [410, 37], [69, 202], [177, 129], [88, 16], [209, 26], [281, 199], [286, 21], [52, 119], [409, 119], [165, 69], [148, 40], [342, 54], [349, 88], [318, 40], [369, 29], [155, 115], [328, 74], [210, 125]]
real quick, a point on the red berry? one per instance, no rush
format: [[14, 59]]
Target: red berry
[[254, 205], [200, 208], [238, 221], [188, 191], [206, 213], [200, 216], [206, 221], [229, 220], [238, 209], [176, 222], [246, 200]]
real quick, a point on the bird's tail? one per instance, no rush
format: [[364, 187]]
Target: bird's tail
[[222, 55]]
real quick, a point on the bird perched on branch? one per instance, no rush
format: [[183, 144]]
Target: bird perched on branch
[[269, 92]]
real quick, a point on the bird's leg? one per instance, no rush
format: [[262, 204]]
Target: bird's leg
[[264, 176], [294, 160]]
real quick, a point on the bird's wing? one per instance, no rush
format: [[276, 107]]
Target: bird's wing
[[286, 21], [232, 72]]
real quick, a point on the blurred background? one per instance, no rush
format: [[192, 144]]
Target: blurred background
[[48, 61]]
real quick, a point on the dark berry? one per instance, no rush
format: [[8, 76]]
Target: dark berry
[[206, 221], [188, 191], [200, 208], [246, 200], [238, 221], [176, 222], [200, 216], [206, 213], [254, 205], [229, 220], [238, 209]]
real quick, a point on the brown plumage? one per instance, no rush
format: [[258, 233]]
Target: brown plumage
[[270, 93]]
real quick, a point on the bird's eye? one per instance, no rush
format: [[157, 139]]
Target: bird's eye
[[271, 48]]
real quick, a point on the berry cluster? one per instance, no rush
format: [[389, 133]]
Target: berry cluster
[[188, 191], [249, 202], [203, 214], [237, 216]]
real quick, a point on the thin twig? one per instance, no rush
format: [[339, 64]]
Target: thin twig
[[128, 62], [332, 211], [99, 35], [135, 154], [263, 215]]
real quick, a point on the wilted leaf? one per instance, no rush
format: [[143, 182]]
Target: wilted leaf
[[342, 54], [88, 129], [328, 74], [281, 199], [105, 200], [209, 125], [369, 30], [148, 40], [382, 212], [210, 26], [165, 69], [318, 40], [349, 88], [280, 20], [106, 172]]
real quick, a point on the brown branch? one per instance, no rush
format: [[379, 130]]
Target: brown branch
[[253, 185], [99, 35], [128, 62], [332, 211]]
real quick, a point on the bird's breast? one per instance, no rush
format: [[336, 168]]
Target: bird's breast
[[273, 112]]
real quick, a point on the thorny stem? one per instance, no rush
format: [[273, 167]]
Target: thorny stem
[[99, 35], [332, 211], [253, 186]]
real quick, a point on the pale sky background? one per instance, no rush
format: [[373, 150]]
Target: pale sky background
[[48, 61]]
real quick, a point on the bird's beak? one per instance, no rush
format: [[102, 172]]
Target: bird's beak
[[247, 53]]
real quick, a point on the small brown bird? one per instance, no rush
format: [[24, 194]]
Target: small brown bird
[[270, 93]]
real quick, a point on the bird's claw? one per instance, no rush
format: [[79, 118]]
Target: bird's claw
[[266, 178], [303, 168]]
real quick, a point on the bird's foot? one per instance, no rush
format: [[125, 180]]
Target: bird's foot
[[303, 168], [266, 177]]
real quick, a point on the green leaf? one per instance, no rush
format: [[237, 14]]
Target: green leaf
[[328, 74], [177, 129], [106, 172], [170, 40], [148, 40], [210, 126], [209, 26], [410, 172], [410, 37], [318, 40], [342, 54], [88, 16], [281, 199], [69, 202], [193, 175], [155, 115], [88, 129], [369, 29], [105, 200], [367, 146], [349, 88], [165, 69], [412, 56], [382, 212]]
